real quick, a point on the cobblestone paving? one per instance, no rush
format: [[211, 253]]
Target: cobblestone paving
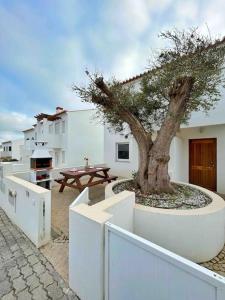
[[24, 272], [217, 264]]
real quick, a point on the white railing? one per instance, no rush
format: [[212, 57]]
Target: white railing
[[138, 269]]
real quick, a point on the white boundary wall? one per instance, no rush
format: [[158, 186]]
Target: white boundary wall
[[110, 262], [27, 205], [138, 269], [86, 240]]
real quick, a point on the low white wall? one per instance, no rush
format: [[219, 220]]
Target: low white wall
[[28, 206], [197, 234], [137, 269], [86, 240], [121, 207]]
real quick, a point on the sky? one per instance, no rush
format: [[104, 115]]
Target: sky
[[46, 46]]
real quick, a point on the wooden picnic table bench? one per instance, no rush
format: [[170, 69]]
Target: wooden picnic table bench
[[72, 178]]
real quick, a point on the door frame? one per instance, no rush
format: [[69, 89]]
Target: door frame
[[189, 157]]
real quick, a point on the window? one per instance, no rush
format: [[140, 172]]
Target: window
[[10, 148], [122, 151], [56, 159], [63, 157], [57, 126], [63, 126], [50, 129]]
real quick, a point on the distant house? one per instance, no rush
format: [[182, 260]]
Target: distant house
[[70, 136], [12, 149], [197, 151]]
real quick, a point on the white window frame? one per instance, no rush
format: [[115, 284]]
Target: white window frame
[[121, 159], [63, 157], [63, 126], [57, 127], [57, 158], [50, 129]]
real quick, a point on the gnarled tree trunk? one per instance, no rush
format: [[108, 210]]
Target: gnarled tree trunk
[[158, 179], [154, 156]]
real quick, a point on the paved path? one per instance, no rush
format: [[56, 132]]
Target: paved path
[[56, 251], [24, 272]]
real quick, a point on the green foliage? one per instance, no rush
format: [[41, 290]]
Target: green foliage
[[189, 54]]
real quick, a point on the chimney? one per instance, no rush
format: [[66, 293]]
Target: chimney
[[59, 109]]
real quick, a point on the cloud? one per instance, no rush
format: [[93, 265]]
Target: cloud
[[12, 124], [47, 45]]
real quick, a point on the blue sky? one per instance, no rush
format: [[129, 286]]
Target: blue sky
[[46, 45]]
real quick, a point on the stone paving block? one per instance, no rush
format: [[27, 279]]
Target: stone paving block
[[24, 295], [21, 261], [18, 253], [14, 272], [26, 271], [5, 288], [9, 296], [3, 275], [32, 282], [54, 291], [46, 279], [32, 259], [10, 263], [39, 268], [19, 284], [28, 252], [14, 248], [39, 294]]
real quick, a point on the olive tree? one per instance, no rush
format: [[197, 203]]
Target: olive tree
[[186, 76]]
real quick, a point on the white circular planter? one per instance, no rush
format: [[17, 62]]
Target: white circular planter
[[197, 234]]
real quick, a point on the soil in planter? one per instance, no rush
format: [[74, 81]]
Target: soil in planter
[[184, 197]]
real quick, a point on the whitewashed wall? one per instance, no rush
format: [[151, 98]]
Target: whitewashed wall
[[6, 152], [180, 168], [27, 205], [120, 168], [86, 240], [16, 148], [138, 269], [85, 138], [179, 153], [108, 262]]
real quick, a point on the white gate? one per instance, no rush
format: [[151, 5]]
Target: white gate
[[136, 269]]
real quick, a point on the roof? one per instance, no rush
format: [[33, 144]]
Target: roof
[[28, 129], [56, 116], [6, 142], [136, 77], [53, 117]]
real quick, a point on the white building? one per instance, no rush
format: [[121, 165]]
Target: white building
[[197, 151], [70, 136], [12, 149]]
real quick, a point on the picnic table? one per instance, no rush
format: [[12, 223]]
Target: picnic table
[[72, 178]]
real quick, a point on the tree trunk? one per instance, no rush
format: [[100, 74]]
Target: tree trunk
[[154, 157], [141, 179], [158, 156]]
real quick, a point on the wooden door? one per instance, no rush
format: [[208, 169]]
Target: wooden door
[[202, 163]]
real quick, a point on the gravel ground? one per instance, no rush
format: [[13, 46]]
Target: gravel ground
[[184, 197]]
